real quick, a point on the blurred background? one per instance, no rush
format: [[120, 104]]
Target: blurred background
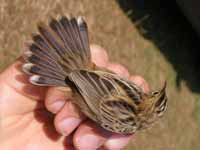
[[151, 38]]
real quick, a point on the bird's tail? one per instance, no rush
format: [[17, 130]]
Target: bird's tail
[[60, 47]]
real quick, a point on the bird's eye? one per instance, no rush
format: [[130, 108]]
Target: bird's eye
[[155, 93]]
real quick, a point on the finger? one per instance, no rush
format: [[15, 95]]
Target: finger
[[117, 141], [14, 77], [118, 69], [99, 55], [90, 136], [56, 98], [68, 119], [140, 82]]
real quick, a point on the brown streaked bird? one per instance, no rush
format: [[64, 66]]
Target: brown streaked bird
[[59, 55]]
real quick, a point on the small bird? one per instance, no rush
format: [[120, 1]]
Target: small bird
[[59, 55]]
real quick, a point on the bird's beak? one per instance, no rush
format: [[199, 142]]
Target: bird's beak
[[162, 94], [164, 87]]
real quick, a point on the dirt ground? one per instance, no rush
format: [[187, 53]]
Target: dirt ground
[[151, 39]]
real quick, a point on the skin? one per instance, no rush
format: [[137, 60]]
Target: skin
[[27, 125]]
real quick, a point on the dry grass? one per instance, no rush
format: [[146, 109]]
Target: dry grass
[[110, 27]]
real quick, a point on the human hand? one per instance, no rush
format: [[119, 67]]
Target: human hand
[[26, 123]]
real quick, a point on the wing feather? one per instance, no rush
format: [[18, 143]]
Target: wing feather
[[107, 99]]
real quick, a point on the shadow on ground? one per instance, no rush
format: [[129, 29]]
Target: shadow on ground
[[164, 24]]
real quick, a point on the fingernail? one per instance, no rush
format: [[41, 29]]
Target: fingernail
[[140, 82], [89, 142], [99, 55], [57, 105], [66, 126], [118, 69], [117, 142]]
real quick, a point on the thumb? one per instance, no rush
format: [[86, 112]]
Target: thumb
[[17, 95]]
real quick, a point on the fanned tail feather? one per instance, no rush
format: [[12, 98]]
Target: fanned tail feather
[[58, 49]]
